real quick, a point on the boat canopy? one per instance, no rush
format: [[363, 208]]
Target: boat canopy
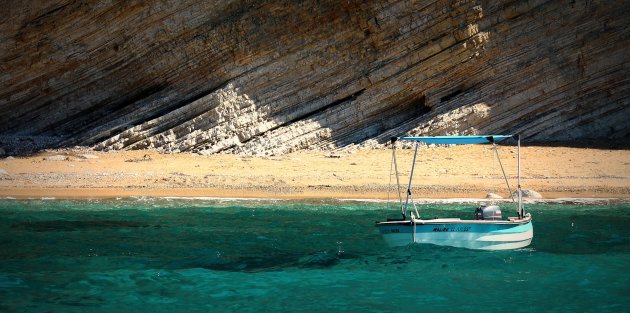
[[459, 140]]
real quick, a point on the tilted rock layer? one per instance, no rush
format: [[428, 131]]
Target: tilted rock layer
[[263, 77]]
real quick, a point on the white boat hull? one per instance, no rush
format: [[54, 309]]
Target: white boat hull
[[473, 234]]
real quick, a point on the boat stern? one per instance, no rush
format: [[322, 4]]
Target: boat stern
[[396, 234]]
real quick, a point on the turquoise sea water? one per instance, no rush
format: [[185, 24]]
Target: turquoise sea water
[[158, 255]]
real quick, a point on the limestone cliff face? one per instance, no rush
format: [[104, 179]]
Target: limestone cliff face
[[276, 76]]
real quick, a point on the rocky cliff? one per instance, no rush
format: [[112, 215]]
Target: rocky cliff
[[262, 77]]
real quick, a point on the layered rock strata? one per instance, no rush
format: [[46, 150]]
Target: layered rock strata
[[269, 77]]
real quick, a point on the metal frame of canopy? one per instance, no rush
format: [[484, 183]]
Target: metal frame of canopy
[[457, 140], [460, 140]]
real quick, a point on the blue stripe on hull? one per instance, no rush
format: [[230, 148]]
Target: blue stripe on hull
[[473, 228]]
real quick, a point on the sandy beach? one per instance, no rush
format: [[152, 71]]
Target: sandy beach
[[441, 172]]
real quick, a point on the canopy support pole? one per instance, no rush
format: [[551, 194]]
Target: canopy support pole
[[521, 213], [413, 166], [402, 210], [496, 152]]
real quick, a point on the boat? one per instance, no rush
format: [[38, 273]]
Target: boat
[[487, 231]]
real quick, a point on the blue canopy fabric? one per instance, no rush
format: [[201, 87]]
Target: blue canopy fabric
[[458, 140]]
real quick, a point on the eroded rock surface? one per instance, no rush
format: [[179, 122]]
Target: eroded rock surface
[[270, 77]]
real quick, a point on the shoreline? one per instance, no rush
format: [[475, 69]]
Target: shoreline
[[419, 201], [226, 195], [220, 193]]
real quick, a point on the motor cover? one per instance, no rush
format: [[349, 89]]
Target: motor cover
[[488, 212]]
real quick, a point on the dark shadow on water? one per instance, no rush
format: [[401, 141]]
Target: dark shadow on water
[[399, 257], [324, 259], [60, 225], [274, 262]]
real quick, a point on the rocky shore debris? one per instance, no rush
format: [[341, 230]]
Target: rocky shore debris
[[57, 157], [491, 195], [528, 193], [145, 158]]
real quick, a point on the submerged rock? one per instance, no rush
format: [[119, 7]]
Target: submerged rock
[[319, 259]]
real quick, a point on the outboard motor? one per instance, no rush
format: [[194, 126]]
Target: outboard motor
[[488, 212]]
